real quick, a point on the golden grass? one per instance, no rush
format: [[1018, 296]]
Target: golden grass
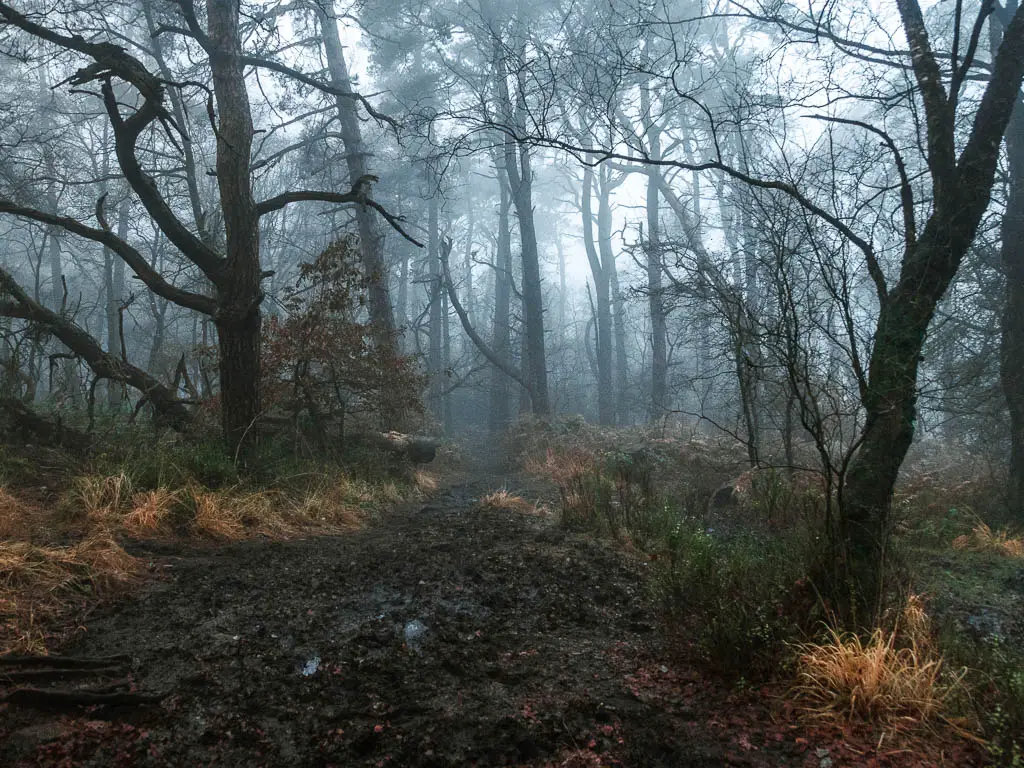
[[503, 501], [39, 584], [215, 515], [337, 506], [329, 504], [149, 512], [984, 539], [18, 519], [562, 466], [99, 498], [893, 677], [44, 589]]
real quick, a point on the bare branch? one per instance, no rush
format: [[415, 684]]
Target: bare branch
[[356, 196], [153, 280], [478, 342]]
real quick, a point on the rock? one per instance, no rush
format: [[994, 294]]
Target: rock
[[311, 667], [414, 632], [986, 622]]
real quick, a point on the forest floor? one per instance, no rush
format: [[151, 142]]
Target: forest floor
[[444, 634]]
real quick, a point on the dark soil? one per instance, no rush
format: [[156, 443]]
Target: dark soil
[[442, 635]]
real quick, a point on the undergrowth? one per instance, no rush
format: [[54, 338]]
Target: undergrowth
[[63, 531], [737, 596], [734, 580]]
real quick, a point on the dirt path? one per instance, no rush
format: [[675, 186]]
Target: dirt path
[[441, 636]]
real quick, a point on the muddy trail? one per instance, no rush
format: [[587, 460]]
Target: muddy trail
[[441, 635]]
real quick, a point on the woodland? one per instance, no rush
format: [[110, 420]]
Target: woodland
[[508, 382]]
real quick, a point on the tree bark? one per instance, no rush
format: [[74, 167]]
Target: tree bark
[[501, 331], [520, 177], [434, 363], [1012, 352], [238, 316], [371, 239], [604, 230], [1012, 257], [655, 289], [961, 188], [602, 298], [113, 279]]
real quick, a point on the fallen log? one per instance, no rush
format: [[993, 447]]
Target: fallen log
[[36, 428], [418, 449], [103, 364]]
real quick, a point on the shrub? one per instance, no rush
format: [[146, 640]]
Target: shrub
[[744, 597], [984, 539], [993, 694]]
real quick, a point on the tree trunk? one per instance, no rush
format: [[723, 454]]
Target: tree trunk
[[371, 239], [655, 290], [1012, 353], [1012, 343], [891, 396], [961, 190], [603, 311], [501, 333], [520, 176], [434, 363], [604, 229], [468, 261], [113, 287], [239, 296], [403, 289], [446, 363]]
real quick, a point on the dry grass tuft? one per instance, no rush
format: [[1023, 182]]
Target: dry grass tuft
[[98, 500], [562, 466], [503, 501], [40, 584], [149, 512], [337, 506], [109, 566], [18, 519], [891, 678], [215, 515], [984, 539]]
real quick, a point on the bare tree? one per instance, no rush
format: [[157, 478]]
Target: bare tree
[[235, 272]]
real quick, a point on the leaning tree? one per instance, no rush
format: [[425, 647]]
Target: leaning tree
[[965, 106]]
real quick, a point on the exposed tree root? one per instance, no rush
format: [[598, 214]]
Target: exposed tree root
[[63, 662], [60, 700]]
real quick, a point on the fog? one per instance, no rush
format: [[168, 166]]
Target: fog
[[682, 214]]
